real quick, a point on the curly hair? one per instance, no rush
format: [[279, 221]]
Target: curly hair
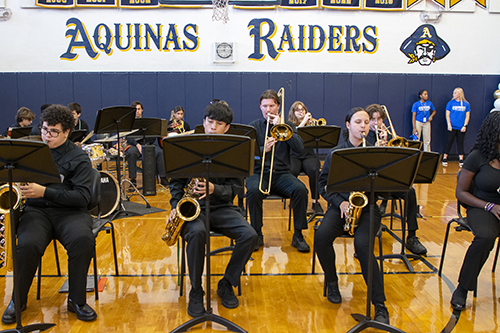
[[487, 139], [58, 114]]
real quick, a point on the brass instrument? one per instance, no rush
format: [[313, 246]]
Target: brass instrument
[[188, 209], [316, 122], [280, 132], [357, 201], [5, 238], [396, 141]]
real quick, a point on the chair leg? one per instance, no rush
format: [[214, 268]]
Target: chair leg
[[496, 257], [289, 215], [57, 258], [114, 247], [96, 278], [445, 243], [39, 279]]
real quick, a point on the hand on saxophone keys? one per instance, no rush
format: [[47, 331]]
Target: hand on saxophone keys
[[200, 188], [32, 190], [344, 209]]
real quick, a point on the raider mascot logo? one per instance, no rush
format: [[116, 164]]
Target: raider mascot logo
[[425, 46]]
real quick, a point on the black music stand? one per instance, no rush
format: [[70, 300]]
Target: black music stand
[[77, 135], [426, 173], [114, 119], [20, 132], [370, 169], [319, 137], [24, 161], [219, 156], [237, 129]]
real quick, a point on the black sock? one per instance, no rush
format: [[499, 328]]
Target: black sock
[[298, 234], [411, 233]]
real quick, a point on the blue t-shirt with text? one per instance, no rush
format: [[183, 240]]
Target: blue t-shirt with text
[[423, 110], [458, 110]]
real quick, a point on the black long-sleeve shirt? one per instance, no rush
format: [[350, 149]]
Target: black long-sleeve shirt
[[75, 169], [225, 189], [281, 150]]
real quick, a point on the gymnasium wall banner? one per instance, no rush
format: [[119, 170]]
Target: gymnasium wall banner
[[387, 5]]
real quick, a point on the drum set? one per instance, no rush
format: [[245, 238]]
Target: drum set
[[110, 189]]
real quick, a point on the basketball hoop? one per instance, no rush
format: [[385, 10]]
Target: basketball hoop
[[220, 10]]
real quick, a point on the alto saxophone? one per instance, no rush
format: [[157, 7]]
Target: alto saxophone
[[357, 201], [188, 209]]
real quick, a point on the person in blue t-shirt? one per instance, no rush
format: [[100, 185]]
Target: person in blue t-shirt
[[423, 111], [457, 118]]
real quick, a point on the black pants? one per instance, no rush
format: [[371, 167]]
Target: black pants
[[309, 166], [72, 228], [450, 137], [132, 155], [486, 229], [332, 227], [412, 208], [283, 184], [229, 222]]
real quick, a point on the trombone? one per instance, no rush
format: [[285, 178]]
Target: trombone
[[396, 141], [317, 122], [281, 132]]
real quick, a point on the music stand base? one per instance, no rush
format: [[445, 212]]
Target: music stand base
[[31, 328], [404, 257], [209, 317], [366, 322]]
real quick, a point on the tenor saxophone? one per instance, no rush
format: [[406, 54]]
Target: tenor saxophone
[[188, 209]]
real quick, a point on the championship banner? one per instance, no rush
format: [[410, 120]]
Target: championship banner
[[341, 4], [55, 3], [299, 4], [138, 4], [454, 2], [97, 3], [440, 3], [384, 5], [410, 3], [481, 3]]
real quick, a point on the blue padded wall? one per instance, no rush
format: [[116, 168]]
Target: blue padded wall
[[327, 95]]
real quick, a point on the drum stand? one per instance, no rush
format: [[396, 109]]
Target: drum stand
[[113, 120]]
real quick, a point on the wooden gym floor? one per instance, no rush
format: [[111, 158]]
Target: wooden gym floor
[[279, 293]]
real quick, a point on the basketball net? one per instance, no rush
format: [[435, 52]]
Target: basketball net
[[220, 10]]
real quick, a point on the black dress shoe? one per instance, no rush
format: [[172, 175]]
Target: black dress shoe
[[459, 298], [334, 292], [9, 315], [83, 312]]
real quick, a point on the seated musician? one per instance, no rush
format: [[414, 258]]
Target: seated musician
[[377, 116], [133, 151], [176, 124], [80, 124], [306, 160], [357, 122], [225, 218], [58, 211], [24, 118], [477, 187], [283, 182]]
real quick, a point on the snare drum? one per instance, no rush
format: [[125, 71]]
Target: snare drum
[[95, 152], [110, 195]]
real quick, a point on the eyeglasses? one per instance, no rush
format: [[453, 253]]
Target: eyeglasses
[[53, 133]]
